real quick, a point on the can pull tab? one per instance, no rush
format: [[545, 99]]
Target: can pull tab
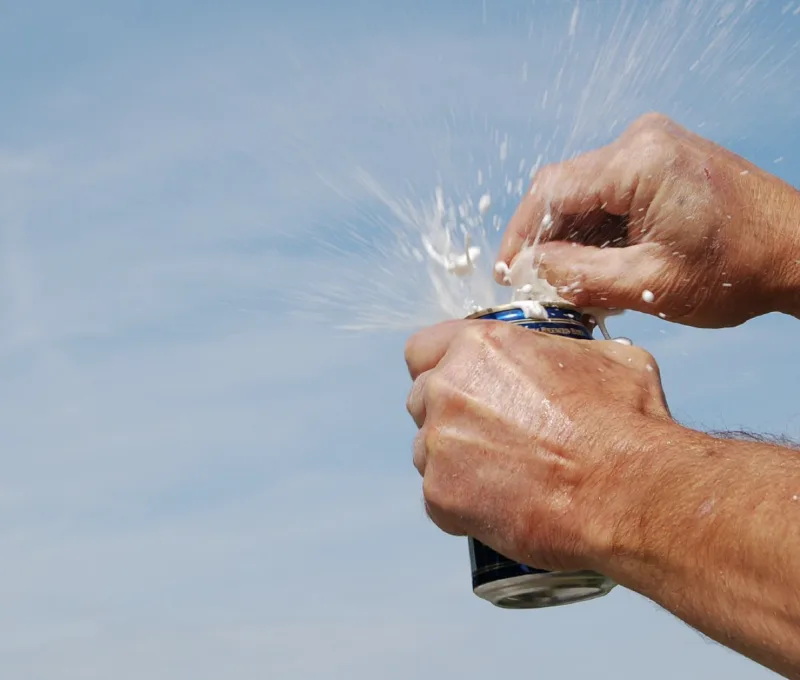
[[599, 317]]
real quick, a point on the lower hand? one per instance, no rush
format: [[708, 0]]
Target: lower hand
[[524, 437]]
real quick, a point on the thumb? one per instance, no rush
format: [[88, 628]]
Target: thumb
[[588, 276]]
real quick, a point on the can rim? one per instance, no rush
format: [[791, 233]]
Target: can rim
[[515, 305]]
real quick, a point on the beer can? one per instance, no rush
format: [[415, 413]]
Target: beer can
[[495, 578]]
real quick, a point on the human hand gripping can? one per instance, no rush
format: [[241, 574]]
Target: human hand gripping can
[[495, 578]]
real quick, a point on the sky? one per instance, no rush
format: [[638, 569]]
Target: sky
[[200, 477]]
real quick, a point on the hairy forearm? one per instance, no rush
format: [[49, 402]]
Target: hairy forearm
[[786, 277], [713, 535]]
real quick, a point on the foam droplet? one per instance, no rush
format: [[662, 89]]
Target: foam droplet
[[484, 203]]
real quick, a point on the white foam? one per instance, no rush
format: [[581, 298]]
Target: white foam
[[460, 264], [532, 309], [523, 277]]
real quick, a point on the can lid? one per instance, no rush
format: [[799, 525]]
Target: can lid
[[515, 305]]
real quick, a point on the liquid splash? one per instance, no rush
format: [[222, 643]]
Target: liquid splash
[[413, 257]]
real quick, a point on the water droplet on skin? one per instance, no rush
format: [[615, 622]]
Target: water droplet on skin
[[706, 508], [648, 296]]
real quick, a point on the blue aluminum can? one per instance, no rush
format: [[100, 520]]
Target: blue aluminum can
[[495, 578]]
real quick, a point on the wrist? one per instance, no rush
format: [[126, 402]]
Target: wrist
[[658, 488], [784, 277]]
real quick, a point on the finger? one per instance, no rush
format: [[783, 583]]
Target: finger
[[569, 188], [587, 276], [629, 356], [416, 399], [420, 453], [445, 523], [642, 361], [425, 349], [443, 518]]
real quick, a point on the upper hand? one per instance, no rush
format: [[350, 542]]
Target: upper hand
[[713, 237]]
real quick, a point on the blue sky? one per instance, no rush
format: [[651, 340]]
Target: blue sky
[[195, 483]]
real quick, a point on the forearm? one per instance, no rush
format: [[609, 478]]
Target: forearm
[[785, 279], [713, 535], [790, 297]]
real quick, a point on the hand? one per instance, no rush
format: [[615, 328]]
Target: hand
[[524, 437], [715, 239]]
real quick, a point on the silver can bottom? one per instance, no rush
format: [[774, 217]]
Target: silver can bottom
[[545, 589]]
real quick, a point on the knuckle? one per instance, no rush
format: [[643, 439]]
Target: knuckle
[[434, 494], [439, 505], [471, 340], [650, 120], [419, 453], [655, 143], [432, 441], [542, 173], [471, 335], [410, 400], [548, 171], [651, 137], [546, 177], [415, 401], [643, 361], [488, 333], [437, 387], [411, 347], [640, 356]]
